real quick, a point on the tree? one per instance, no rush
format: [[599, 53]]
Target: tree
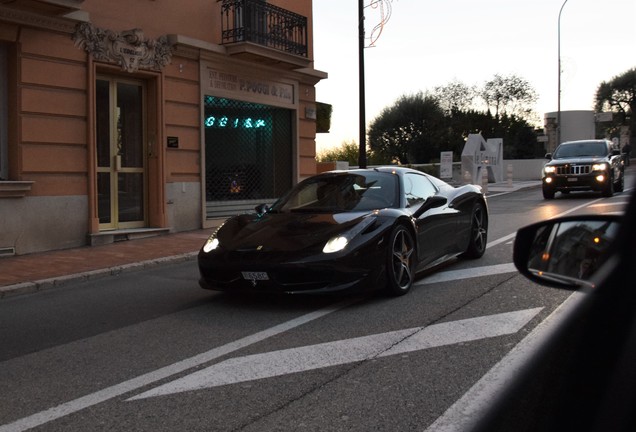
[[455, 96], [409, 131], [416, 128], [511, 95], [619, 96], [349, 152]]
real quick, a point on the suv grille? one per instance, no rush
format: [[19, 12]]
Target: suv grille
[[573, 169]]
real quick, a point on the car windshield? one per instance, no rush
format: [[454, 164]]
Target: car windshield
[[341, 192], [580, 149]]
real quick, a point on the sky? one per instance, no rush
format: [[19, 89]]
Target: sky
[[431, 43]]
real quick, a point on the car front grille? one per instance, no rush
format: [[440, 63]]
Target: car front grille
[[573, 169]]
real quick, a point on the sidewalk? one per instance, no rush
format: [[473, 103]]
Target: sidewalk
[[39, 271]]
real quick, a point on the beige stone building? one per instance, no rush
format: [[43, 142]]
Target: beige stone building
[[126, 118]]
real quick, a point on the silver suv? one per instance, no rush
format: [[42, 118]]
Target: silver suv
[[584, 165]]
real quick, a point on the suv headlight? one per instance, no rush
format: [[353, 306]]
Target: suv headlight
[[600, 167], [549, 170]]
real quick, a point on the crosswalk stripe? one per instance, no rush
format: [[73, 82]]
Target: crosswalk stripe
[[294, 360], [467, 273]]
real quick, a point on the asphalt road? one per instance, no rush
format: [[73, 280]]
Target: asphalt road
[[150, 351]]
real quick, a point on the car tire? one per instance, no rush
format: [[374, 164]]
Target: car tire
[[620, 184], [478, 232], [548, 193], [401, 257], [608, 190]]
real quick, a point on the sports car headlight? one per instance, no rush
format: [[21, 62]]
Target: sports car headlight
[[599, 167], [211, 244], [549, 169], [339, 242], [336, 244]]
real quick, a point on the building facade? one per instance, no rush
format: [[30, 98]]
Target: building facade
[[121, 119], [575, 125]]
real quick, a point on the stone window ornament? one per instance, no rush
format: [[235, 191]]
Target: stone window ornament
[[130, 49]]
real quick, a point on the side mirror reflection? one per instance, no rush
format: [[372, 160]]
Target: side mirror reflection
[[261, 209], [565, 252]]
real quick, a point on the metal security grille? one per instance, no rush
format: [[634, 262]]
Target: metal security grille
[[574, 169], [248, 154]]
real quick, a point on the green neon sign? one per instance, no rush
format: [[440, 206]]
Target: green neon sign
[[223, 122]]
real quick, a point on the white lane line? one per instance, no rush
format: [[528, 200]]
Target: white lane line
[[590, 204], [464, 414], [100, 396], [294, 360], [92, 399], [501, 240], [513, 235], [613, 203], [452, 275]]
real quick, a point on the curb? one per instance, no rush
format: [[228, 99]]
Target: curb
[[60, 281]]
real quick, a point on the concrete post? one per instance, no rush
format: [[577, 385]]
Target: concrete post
[[484, 179], [509, 175], [467, 177]]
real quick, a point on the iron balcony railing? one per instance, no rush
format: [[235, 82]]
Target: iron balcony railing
[[264, 24]]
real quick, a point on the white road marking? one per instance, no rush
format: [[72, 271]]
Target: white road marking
[[464, 414], [612, 203], [513, 235], [100, 396], [133, 384], [452, 275], [283, 362], [501, 240]]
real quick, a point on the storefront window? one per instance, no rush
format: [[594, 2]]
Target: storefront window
[[248, 151]]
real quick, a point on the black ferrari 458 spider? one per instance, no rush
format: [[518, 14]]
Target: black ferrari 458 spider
[[347, 231]]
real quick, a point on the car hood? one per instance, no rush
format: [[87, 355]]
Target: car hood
[[285, 231], [578, 160]]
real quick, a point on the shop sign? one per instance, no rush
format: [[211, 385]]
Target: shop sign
[[235, 85]]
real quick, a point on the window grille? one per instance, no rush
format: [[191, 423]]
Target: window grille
[[248, 154]]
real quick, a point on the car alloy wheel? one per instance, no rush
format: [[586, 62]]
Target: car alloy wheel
[[478, 233], [401, 261]]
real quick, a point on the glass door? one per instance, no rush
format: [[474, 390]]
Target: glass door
[[121, 153]]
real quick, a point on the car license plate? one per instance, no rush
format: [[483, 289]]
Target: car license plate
[[255, 276], [572, 179]]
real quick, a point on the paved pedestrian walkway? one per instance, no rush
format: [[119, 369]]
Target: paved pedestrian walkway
[[39, 271]]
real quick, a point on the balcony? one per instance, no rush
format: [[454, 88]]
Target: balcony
[[264, 33], [44, 7]]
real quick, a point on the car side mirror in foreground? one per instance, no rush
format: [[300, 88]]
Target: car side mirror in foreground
[[565, 252]]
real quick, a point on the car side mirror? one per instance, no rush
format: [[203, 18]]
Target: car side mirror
[[565, 252], [261, 209], [548, 156], [430, 203]]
